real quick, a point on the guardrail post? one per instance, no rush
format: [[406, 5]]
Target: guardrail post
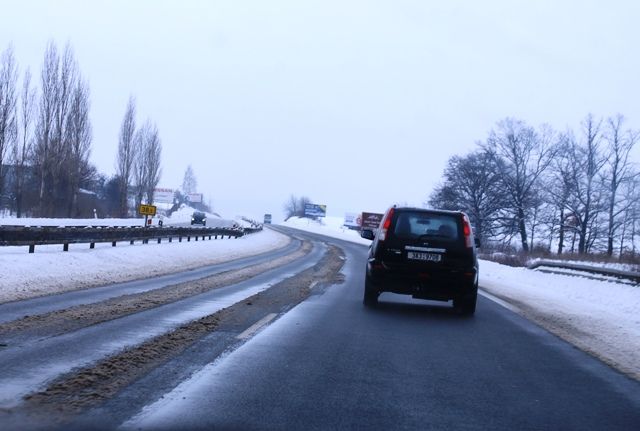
[[32, 248], [65, 246], [170, 239], [188, 238], [113, 244], [159, 240], [92, 245], [203, 237], [131, 242], [209, 237], [196, 237], [179, 239]]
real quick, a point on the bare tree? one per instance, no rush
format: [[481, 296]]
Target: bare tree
[[521, 156], [61, 152], [619, 172], [471, 184], [78, 137], [8, 109], [559, 186], [291, 207], [148, 151], [45, 125], [153, 150], [586, 199], [189, 183], [294, 206], [139, 164], [23, 145], [631, 218], [126, 152]]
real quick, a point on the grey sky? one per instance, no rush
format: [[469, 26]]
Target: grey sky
[[356, 104]]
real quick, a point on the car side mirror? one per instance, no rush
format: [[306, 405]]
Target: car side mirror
[[477, 241], [367, 234]]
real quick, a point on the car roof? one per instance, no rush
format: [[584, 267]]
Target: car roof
[[428, 210]]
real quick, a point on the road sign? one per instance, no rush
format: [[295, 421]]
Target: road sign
[[314, 210], [352, 220], [163, 195], [371, 220], [147, 210]]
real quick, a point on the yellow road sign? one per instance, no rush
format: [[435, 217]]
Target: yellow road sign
[[149, 210]]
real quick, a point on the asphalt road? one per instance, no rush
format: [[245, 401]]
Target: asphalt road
[[326, 363], [330, 363]]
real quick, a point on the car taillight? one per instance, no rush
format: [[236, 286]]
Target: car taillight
[[466, 230], [385, 225]]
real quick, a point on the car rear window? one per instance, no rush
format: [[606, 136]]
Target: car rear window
[[427, 225]]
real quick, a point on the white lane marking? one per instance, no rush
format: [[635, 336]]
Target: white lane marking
[[247, 333], [499, 301], [314, 284]]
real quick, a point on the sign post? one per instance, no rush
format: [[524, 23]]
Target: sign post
[[146, 211]]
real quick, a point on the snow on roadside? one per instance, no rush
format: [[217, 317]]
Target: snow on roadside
[[26, 221], [182, 216], [600, 317], [608, 265], [49, 270], [329, 226]]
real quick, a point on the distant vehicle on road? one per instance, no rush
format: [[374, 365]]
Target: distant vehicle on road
[[267, 219], [428, 254], [198, 217]]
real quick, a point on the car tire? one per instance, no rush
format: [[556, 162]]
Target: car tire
[[466, 306], [370, 298]]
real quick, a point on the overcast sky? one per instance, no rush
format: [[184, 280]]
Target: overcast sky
[[356, 104]]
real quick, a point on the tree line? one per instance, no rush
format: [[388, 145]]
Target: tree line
[[551, 191], [46, 139]]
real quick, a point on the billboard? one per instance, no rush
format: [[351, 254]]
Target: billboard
[[195, 197], [352, 220], [163, 196], [371, 220], [313, 210]]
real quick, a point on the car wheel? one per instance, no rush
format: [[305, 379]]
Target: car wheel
[[466, 306], [370, 294]]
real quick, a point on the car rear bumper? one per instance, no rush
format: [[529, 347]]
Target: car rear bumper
[[440, 286]]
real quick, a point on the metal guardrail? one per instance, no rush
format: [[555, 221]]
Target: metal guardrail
[[629, 275], [45, 235]]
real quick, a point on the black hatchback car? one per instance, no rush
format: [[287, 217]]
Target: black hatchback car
[[428, 254]]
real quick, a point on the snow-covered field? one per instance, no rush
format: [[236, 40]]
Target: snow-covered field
[[600, 317]]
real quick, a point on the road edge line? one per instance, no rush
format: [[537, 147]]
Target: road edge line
[[251, 330]]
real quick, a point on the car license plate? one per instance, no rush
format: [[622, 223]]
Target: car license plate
[[427, 257]]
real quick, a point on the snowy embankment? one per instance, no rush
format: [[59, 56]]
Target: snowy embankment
[[50, 270], [600, 317], [180, 217], [329, 226]]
